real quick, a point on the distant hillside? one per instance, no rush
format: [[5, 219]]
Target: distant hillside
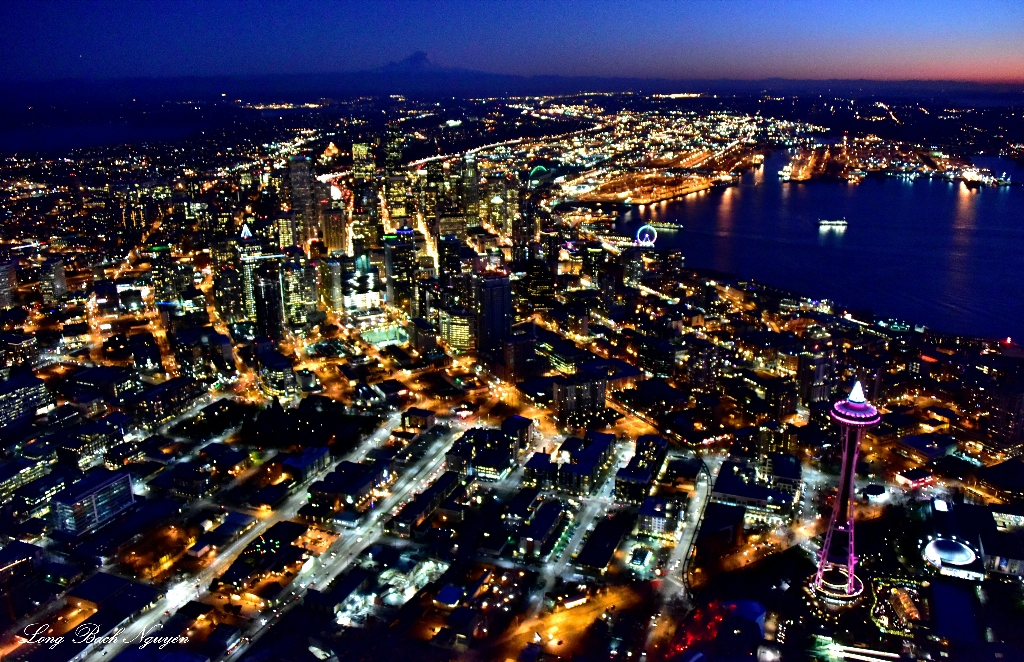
[[418, 75]]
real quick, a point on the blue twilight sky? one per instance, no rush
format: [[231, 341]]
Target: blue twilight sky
[[891, 39]]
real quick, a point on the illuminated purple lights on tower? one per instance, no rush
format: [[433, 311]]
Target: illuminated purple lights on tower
[[836, 580]]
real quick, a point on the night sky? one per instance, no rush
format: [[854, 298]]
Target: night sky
[[890, 40]]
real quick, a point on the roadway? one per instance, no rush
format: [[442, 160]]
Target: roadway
[[344, 551], [197, 586]]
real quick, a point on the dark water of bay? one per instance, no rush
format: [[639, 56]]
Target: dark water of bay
[[925, 251]]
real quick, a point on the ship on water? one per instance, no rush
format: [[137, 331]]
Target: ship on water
[[834, 224]]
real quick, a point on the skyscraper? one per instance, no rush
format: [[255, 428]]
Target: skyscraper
[[171, 277], [815, 366], [332, 221], [8, 279], [400, 268], [366, 225], [249, 254], [524, 230], [363, 166], [492, 299], [836, 581], [469, 193], [394, 142], [286, 231], [300, 177], [298, 290], [268, 300], [332, 283], [53, 282], [229, 296]]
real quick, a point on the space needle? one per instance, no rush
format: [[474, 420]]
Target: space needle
[[836, 581]]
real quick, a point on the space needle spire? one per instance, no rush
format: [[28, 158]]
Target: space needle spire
[[836, 581]]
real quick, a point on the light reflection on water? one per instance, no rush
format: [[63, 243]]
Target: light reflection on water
[[925, 251]]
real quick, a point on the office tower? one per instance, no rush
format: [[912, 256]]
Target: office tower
[[300, 177], [287, 232], [249, 254], [432, 192], [397, 194], [400, 268], [469, 189], [524, 230], [449, 254], [8, 279], [497, 215], [551, 246], [171, 278], [453, 224], [299, 290], [225, 253], [520, 354], [366, 224], [593, 259], [268, 301], [21, 397], [229, 296], [52, 280], [426, 298], [492, 300], [332, 283], [815, 368], [363, 166], [455, 263], [394, 142], [224, 222], [836, 581], [458, 329], [332, 221], [92, 502]]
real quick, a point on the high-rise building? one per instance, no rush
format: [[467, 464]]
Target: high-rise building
[[815, 369], [21, 397], [287, 236], [332, 283], [92, 502], [367, 230], [397, 194], [299, 290], [268, 300], [593, 259], [53, 282], [363, 166], [171, 277], [8, 278], [524, 230], [836, 581], [300, 177], [469, 188], [332, 221], [458, 329], [432, 192], [228, 295], [249, 254], [492, 301], [394, 142], [400, 268]]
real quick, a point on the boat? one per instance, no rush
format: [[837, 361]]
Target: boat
[[665, 225], [832, 223]]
